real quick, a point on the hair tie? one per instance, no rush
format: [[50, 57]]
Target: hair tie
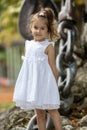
[[42, 13]]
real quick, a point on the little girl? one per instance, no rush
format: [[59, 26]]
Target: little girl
[[36, 87]]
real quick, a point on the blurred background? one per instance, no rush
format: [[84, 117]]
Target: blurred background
[[12, 44]]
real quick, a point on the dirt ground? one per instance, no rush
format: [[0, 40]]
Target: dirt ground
[[6, 94]]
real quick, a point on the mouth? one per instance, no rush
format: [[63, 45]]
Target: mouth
[[38, 35]]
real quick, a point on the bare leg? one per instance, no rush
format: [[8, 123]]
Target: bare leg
[[41, 121], [56, 119]]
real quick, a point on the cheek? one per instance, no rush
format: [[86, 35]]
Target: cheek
[[47, 28], [33, 31], [47, 32]]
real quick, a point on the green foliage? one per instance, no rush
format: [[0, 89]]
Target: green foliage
[[4, 4], [2, 56], [9, 11]]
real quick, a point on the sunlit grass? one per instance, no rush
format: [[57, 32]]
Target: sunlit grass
[[6, 106]]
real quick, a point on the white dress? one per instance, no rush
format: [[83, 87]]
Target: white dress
[[36, 86]]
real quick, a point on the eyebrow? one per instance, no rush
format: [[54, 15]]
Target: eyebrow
[[41, 26]]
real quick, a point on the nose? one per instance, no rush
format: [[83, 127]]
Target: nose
[[38, 30]]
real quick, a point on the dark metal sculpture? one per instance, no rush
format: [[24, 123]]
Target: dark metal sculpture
[[65, 61]]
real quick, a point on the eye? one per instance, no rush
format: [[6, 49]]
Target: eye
[[35, 27], [42, 28]]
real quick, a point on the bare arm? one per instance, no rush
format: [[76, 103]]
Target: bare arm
[[51, 58]]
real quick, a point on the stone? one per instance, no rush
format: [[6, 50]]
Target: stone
[[83, 121], [82, 128], [68, 127], [18, 128], [65, 121]]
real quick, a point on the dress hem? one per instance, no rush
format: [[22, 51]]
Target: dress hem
[[32, 106]]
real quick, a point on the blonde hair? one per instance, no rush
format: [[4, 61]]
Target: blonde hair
[[52, 24]]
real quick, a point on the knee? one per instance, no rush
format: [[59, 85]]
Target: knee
[[40, 113], [53, 112]]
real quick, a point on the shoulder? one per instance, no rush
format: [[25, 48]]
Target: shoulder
[[27, 42], [50, 48], [50, 42], [51, 45]]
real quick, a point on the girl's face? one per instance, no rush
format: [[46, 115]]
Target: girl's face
[[39, 29]]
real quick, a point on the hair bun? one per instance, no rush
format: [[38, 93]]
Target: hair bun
[[50, 14]]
